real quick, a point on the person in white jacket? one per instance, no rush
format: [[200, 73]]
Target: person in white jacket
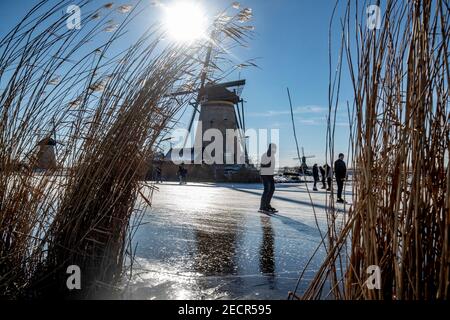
[[267, 173]]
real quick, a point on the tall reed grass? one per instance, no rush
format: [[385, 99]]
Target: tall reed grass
[[399, 219], [107, 106]]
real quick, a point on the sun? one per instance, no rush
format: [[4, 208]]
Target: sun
[[185, 21]]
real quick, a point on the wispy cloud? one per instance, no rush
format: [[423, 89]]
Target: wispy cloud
[[312, 109], [309, 122], [278, 125], [316, 121]]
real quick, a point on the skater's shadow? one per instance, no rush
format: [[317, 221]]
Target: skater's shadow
[[308, 203], [297, 225]]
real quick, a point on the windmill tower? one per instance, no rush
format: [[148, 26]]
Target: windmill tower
[[220, 109], [45, 158]]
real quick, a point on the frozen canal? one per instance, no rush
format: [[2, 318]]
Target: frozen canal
[[207, 241]]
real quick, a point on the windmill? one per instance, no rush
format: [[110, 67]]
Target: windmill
[[46, 154], [303, 165], [219, 106]]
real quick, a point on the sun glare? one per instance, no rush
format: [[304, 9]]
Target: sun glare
[[185, 21]]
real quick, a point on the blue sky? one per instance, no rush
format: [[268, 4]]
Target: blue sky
[[291, 44]]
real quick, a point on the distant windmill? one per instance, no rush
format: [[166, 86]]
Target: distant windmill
[[303, 165], [46, 154]]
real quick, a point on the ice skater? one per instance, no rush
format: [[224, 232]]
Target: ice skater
[[329, 175], [182, 173], [322, 174], [267, 173], [340, 172], [315, 170], [158, 174]]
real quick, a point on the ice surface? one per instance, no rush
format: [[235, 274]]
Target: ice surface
[[207, 241]]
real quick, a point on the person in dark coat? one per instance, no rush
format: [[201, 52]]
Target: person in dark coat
[[328, 175], [315, 170], [322, 173], [340, 172], [267, 173], [182, 173], [158, 174]]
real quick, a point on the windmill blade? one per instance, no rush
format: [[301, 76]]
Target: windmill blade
[[191, 122], [181, 93], [307, 157], [54, 134], [239, 84]]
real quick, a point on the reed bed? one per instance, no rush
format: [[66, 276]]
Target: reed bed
[[399, 218], [107, 106]]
